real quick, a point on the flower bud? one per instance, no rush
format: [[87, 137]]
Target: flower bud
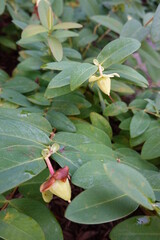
[[61, 189], [105, 84]]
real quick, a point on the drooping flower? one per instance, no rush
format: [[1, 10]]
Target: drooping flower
[[58, 184], [104, 80]]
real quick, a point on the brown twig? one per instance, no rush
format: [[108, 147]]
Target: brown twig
[[103, 35], [9, 198], [150, 20]]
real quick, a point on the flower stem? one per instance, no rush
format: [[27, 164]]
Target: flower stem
[[51, 170], [103, 106]]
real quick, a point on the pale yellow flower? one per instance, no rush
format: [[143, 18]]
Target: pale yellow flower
[[104, 81], [58, 184]]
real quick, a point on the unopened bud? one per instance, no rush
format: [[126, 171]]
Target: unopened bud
[[61, 189]]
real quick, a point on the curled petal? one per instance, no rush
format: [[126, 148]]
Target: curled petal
[[105, 85], [94, 78], [62, 173], [112, 75], [47, 196], [46, 185]]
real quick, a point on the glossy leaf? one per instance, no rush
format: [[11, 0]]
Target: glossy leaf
[[60, 121], [129, 75], [151, 148], [41, 215], [155, 25], [108, 22], [56, 48], [67, 25], [99, 205], [115, 109], [14, 223], [101, 123], [32, 30], [139, 227], [93, 133], [139, 123], [81, 74], [117, 50], [131, 182]]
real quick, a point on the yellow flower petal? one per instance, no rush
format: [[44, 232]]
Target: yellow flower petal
[[94, 78], [105, 85], [61, 189], [47, 196]]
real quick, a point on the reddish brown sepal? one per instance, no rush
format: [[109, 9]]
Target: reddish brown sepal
[[46, 185], [62, 174]]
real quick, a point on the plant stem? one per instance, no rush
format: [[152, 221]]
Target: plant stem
[[9, 198], [103, 105], [51, 170]]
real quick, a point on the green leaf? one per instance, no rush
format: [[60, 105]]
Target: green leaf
[[90, 7], [100, 122], [67, 25], [156, 25], [81, 73], [91, 174], [150, 55], [41, 215], [121, 87], [62, 79], [64, 107], [128, 75], [39, 99], [133, 159], [15, 224], [58, 7], [131, 182], [117, 51], [64, 34], [153, 178], [139, 123], [2, 6], [63, 65], [86, 36], [125, 124], [70, 139], [3, 76], [21, 84], [19, 164], [30, 188], [91, 206], [80, 154], [72, 98], [20, 150], [7, 43], [32, 118], [56, 48], [56, 92], [32, 30], [14, 97], [30, 64], [115, 109], [108, 22], [134, 29], [45, 14], [151, 148], [60, 121], [139, 227], [93, 133]]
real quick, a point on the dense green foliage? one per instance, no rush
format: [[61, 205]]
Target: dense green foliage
[[59, 104]]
